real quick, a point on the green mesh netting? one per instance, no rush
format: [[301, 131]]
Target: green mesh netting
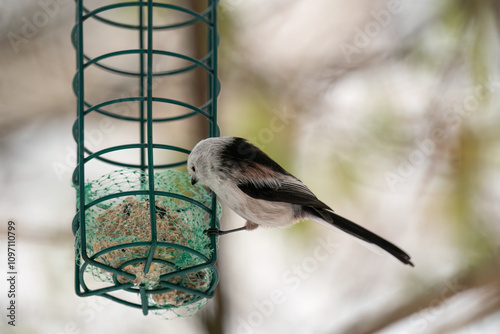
[[115, 226]]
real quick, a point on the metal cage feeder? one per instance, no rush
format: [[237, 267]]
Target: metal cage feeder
[[139, 229]]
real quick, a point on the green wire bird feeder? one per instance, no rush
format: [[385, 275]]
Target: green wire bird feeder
[[139, 226]]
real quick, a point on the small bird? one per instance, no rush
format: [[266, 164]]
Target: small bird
[[261, 191]]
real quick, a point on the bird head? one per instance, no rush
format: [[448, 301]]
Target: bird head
[[202, 159]]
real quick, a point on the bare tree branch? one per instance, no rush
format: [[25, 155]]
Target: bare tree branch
[[490, 303], [474, 278]]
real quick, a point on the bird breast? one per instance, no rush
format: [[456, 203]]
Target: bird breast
[[261, 212]]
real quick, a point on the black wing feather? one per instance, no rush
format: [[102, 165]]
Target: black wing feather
[[245, 154], [281, 186], [285, 193]]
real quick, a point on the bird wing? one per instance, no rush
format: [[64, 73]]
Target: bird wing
[[289, 191], [263, 178]]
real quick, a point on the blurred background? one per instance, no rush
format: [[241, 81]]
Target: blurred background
[[387, 110]]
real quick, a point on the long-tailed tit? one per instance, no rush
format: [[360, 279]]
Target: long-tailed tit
[[258, 189]]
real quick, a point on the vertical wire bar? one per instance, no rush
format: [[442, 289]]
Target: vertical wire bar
[[152, 209], [81, 213], [80, 146], [144, 300], [213, 59], [141, 87], [213, 87]]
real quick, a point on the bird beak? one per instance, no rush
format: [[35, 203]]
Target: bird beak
[[193, 180]]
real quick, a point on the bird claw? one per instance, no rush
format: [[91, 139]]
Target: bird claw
[[213, 231]]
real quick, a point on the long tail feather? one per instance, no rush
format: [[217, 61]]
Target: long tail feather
[[361, 233]]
